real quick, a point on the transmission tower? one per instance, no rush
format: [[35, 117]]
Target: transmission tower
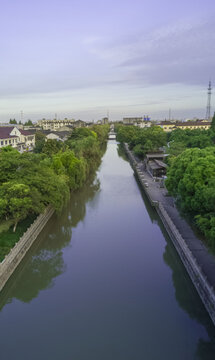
[[208, 110]]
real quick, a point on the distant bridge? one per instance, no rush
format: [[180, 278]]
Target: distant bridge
[[112, 135]]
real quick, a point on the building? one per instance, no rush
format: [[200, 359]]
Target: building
[[54, 124], [199, 124], [167, 125], [205, 125], [138, 121], [79, 123], [57, 135], [155, 165], [132, 120], [17, 138]]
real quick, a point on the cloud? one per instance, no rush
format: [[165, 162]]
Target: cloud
[[183, 54]]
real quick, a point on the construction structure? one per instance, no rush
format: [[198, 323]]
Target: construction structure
[[208, 109]]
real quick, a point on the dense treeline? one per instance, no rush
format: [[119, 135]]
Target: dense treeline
[[191, 179], [191, 176], [31, 181], [143, 140], [180, 140], [191, 171]]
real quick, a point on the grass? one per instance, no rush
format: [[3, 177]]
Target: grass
[[5, 225], [8, 238]]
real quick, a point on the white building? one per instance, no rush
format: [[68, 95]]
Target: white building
[[17, 138], [54, 124]]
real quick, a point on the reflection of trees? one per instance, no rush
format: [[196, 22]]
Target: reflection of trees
[[44, 261], [151, 211], [188, 300], [121, 152]]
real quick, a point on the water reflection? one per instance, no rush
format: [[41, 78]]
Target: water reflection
[[185, 293], [188, 300], [44, 261], [121, 152]]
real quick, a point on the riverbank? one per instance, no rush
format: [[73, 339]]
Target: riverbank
[[17, 253], [199, 263]]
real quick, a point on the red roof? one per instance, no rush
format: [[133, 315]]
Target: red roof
[[26, 132], [5, 132]]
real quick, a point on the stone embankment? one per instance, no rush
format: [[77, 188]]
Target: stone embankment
[[12, 260], [199, 263]]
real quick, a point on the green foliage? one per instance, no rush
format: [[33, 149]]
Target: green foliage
[[101, 132], [213, 123], [191, 179], [52, 147], [65, 163], [31, 181], [180, 139], [80, 133], [12, 121], [9, 238], [28, 123], [15, 201], [9, 164], [39, 142], [141, 140]]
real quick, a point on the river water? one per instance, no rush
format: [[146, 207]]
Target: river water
[[103, 282]]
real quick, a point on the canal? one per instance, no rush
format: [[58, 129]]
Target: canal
[[103, 282]]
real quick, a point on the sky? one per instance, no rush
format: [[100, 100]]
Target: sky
[[82, 59]]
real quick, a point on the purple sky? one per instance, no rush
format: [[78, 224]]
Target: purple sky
[[81, 58]]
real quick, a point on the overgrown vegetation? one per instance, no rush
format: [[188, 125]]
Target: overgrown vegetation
[[143, 140], [191, 171], [191, 176], [31, 181]]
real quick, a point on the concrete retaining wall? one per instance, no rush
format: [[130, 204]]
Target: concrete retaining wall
[[205, 291], [12, 260]]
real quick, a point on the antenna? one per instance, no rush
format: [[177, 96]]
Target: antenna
[[169, 114], [21, 115], [208, 109]]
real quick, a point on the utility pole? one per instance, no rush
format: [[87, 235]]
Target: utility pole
[[208, 109], [169, 114], [21, 116]]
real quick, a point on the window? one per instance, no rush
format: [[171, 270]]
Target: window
[[2, 142], [9, 141], [5, 142]]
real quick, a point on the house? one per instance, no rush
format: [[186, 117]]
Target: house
[[205, 125], [6, 138], [198, 124], [57, 135], [17, 138], [132, 120], [79, 123], [155, 165], [167, 125], [54, 124]]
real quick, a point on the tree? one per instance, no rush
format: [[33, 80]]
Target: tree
[[40, 139], [213, 123], [52, 147], [12, 121], [17, 201], [191, 179], [28, 123]]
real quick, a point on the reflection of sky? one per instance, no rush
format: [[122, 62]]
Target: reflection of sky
[[80, 58], [101, 282]]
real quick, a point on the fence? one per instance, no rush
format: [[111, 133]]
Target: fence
[[205, 291], [12, 260]]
